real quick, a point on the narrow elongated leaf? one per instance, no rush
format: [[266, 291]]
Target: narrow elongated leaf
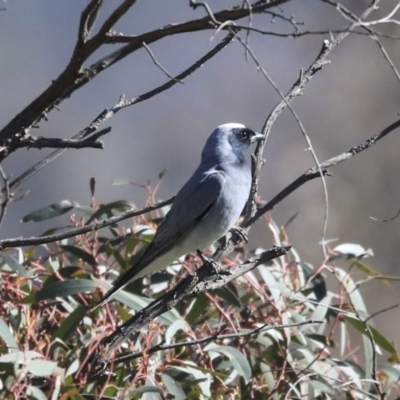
[[66, 288], [179, 324], [7, 336], [8, 262], [70, 323], [41, 367], [352, 250], [379, 339], [36, 393], [322, 309], [80, 253], [238, 360], [202, 376], [228, 295], [146, 389], [269, 378], [50, 211], [197, 308], [73, 367], [20, 356], [137, 303], [107, 209], [173, 387]]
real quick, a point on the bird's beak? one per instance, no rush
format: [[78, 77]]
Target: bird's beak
[[257, 137]]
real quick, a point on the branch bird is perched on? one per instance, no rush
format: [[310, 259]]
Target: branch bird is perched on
[[206, 207]]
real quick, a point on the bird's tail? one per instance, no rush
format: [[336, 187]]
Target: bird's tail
[[121, 282]]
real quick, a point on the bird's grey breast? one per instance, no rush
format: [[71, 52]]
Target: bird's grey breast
[[231, 200]]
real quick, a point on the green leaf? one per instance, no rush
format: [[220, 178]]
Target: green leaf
[[70, 323], [197, 308], [19, 356], [173, 387], [229, 295], [7, 336], [137, 303], [237, 359], [35, 393], [9, 263], [176, 326], [322, 308], [201, 375], [73, 367], [269, 378], [391, 372], [351, 250], [146, 389], [66, 288], [107, 209], [50, 211], [41, 367], [80, 253], [378, 338]]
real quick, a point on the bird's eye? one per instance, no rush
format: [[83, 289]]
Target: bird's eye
[[245, 134]]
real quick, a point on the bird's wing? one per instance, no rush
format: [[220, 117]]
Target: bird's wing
[[191, 205]]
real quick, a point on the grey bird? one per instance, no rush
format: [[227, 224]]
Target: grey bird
[[206, 207]]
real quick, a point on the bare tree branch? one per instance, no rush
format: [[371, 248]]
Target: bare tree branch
[[122, 103], [41, 142], [5, 195], [88, 18], [73, 77]]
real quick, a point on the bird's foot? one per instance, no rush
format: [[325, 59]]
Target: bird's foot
[[242, 233], [213, 267]]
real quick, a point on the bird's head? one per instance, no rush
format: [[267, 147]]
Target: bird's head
[[230, 142]]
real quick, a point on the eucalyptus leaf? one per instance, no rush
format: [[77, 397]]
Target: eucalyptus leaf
[[238, 360], [41, 367], [70, 323], [8, 337], [80, 254], [20, 356], [36, 393], [378, 337], [173, 387], [9, 263], [69, 287], [107, 209], [50, 211]]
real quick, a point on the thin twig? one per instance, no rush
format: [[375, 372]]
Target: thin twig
[[157, 63], [253, 332], [313, 173], [303, 131], [388, 219], [16, 242]]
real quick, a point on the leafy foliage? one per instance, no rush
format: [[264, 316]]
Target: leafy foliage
[[225, 344]]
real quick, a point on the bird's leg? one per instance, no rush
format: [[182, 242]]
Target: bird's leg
[[242, 233], [212, 265]]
